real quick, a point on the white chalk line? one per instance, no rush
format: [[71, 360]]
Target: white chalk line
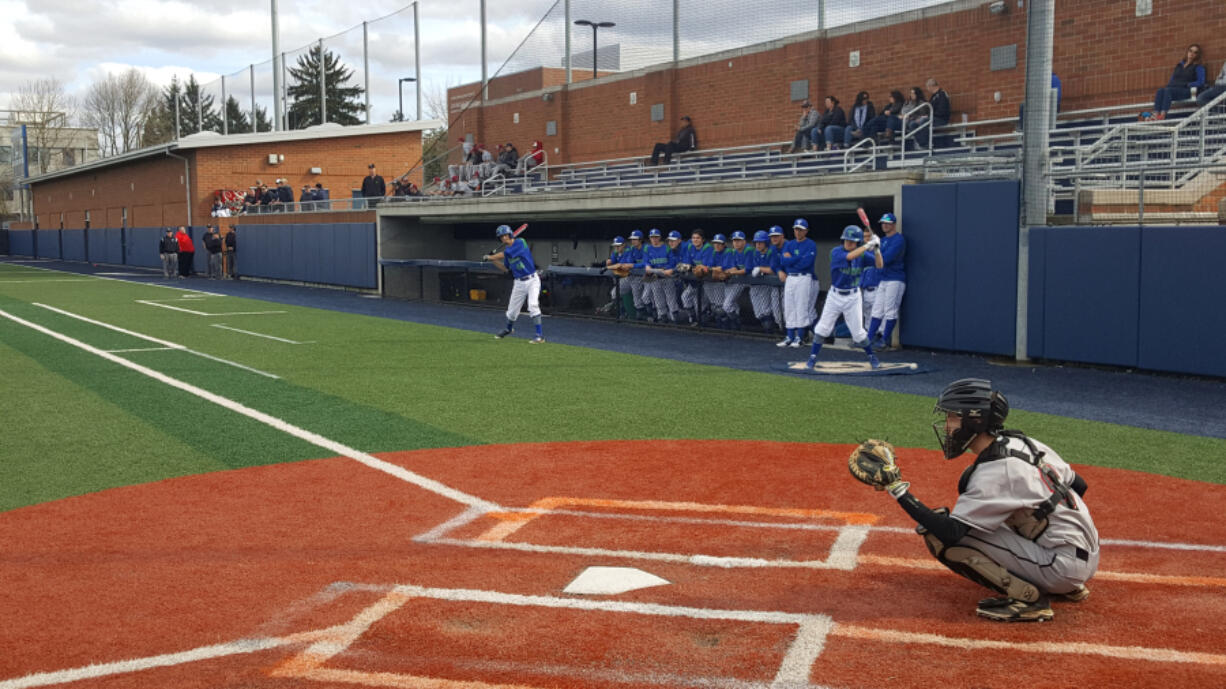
[[148, 302], [332, 446], [165, 343], [140, 349], [255, 334], [40, 281], [126, 282]]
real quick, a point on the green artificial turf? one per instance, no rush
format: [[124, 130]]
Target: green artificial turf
[[80, 423]]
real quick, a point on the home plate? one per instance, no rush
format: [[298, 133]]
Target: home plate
[[610, 581], [853, 368]]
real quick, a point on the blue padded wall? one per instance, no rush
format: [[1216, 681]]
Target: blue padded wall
[[333, 254], [927, 307], [985, 278], [1036, 292], [21, 242], [1177, 316], [142, 246], [74, 245]]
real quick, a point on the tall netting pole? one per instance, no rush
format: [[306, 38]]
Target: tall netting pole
[[485, 80], [566, 58], [366, 66], [323, 85], [676, 32], [255, 123], [225, 112], [417, 57], [1040, 28], [278, 121]]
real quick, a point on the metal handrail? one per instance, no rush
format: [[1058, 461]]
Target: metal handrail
[[866, 142], [494, 185], [926, 124]]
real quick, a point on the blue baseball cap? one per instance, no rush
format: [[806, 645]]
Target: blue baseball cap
[[853, 233], [653, 232], [760, 236], [502, 231], [674, 235], [800, 223], [776, 230], [618, 241], [888, 217], [719, 238], [738, 235], [637, 234]]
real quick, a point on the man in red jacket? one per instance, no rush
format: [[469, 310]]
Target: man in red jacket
[[187, 252]]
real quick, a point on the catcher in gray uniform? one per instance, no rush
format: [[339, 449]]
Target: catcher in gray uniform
[[1019, 526]]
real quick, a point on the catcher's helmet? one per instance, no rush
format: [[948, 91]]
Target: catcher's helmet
[[853, 233], [982, 410], [674, 235], [760, 236], [888, 217], [637, 234], [801, 224], [618, 241], [502, 231], [738, 235], [719, 239], [776, 230]]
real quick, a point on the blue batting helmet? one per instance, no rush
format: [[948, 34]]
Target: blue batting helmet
[[800, 223], [720, 238], [637, 234], [853, 233], [618, 241], [776, 230], [502, 231], [888, 217], [738, 235], [674, 235], [653, 232], [761, 236]]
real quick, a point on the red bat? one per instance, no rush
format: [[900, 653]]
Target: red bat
[[864, 219]]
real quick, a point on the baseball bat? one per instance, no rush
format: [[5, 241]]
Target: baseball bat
[[518, 231], [864, 219]]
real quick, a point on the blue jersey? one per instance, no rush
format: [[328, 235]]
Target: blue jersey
[[633, 256], [736, 259], [519, 259], [716, 260], [696, 255], [615, 258], [659, 257], [846, 274], [762, 259], [893, 251], [871, 275], [803, 255]]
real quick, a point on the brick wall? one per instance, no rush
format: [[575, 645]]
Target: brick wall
[[1103, 53], [151, 189]]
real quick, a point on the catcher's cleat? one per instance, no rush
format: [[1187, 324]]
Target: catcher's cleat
[[1076, 595], [1013, 610], [537, 340], [502, 334]]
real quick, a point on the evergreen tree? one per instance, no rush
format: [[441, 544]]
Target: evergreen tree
[[343, 102], [236, 119], [161, 127]]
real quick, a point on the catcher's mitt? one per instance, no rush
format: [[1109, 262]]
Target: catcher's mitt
[[620, 271], [872, 462]]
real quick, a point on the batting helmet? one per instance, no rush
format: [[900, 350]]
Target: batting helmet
[[982, 410], [653, 232], [853, 233], [738, 235], [637, 234], [618, 241], [760, 236], [776, 230], [800, 223], [888, 217], [674, 235], [502, 231], [719, 239]]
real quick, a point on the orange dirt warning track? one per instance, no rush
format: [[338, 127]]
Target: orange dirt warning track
[[782, 572]]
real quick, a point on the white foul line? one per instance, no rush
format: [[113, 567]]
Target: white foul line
[[165, 343], [40, 281], [148, 302], [267, 419], [269, 337], [141, 349], [127, 282]]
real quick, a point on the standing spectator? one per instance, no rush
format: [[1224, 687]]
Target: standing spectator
[[321, 197], [808, 120], [232, 252], [251, 201], [187, 253], [881, 123], [373, 187], [686, 140], [508, 158], [267, 199], [535, 157], [1188, 74], [1218, 88], [285, 194], [305, 198], [833, 117], [212, 244], [168, 251], [862, 112]]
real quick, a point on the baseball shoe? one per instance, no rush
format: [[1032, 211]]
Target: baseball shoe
[[502, 334], [1076, 595], [786, 341], [795, 344], [811, 363], [537, 340], [874, 362], [1013, 610]]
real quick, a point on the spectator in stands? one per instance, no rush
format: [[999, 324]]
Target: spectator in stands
[[220, 209], [535, 157], [508, 158], [285, 196], [833, 117], [459, 187], [1218, 88], [1188, 74], [373, 187], [686, 140], [187, 253], [940, 111], [306, 198], [804, 126], [251, 201], [168, 251], [862, 112], [880, 124], [267, 197], [212, 244], [231, 244], [487, 163]]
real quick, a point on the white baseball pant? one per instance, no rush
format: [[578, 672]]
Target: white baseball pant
[[889, 298], [868, 295], [798, 301], [845, 303], [529, 289]]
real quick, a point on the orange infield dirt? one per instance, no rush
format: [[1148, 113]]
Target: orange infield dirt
[[782, 570]]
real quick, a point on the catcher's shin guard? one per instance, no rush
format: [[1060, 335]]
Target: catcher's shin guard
[[974, 565]]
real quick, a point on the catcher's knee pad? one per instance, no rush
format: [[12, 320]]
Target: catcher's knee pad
[[973, 564]]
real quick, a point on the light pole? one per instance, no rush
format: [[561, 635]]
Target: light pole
[[596, 26], [400, 87]]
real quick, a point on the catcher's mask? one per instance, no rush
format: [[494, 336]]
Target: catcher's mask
[[981, 409]]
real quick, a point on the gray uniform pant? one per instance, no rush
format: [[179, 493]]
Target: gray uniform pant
[[170, 265], [1053, 570], [215, 266], [732, 297], [767, 302]]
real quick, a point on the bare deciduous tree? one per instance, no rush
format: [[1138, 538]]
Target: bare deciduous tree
[[119, 107], [49, 110]]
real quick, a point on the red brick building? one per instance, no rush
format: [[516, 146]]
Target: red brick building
[[174, 183]]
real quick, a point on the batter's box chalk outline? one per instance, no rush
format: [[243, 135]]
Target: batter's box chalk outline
[[853, 368], [852, 528]]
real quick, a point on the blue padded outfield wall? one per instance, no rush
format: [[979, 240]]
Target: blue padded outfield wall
[[961, 266], [1127, 296], [335, 254], [73, 242], [21, 242]]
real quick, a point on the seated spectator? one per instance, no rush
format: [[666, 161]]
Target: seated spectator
[[220, 210], [940, 113], [862, 112], [805, 125], [487, 163], [1218, 88], [413, 190], [400, 186], [880, 124], [1188, 74], [833, 117], [251, 201], [508, 159], [686, 140], [535, 157], [915, 98]]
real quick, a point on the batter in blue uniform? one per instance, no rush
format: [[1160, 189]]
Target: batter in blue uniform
[[893, 281], [847, 262], [518, 259]]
